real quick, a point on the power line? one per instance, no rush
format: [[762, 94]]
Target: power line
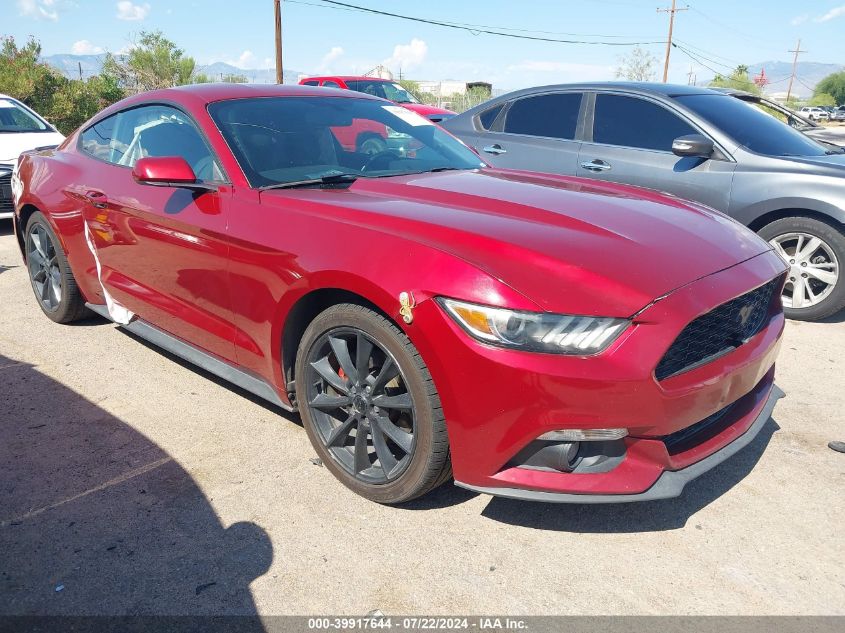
[[472, 27], [479, 29]]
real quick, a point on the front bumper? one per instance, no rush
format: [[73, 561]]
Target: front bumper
[[497, 402], [669, 485]]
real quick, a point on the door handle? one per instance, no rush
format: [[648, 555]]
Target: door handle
[[97, 199], [495, 149], [595, 165]]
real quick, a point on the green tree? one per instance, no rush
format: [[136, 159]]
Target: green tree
[[153, 62], [638, 65], [833, 85], [822, 99], [234, 79], [738, 80], [412, 87], [66, 103]]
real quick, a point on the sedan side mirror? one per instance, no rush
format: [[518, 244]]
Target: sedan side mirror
[[693, 145], [167, 171]]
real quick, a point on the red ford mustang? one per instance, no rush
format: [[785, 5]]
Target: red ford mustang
[[540, 337]]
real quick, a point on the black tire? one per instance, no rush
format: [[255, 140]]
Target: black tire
[[370, 144], [834, 240], [426, 464], [67, 305]]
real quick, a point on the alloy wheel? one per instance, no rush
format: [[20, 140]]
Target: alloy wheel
[[813, 269], [43, 264], [362, 408]]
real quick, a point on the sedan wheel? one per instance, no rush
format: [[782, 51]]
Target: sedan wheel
[[369, 405], [813, 269], [360, 403], [43, 263], [814, 252]]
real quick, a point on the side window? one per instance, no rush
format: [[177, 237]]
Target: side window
[[550, 115], [487, 117], [163, 131], [311, 82], [633, 122], [97, 139], [330, 84]]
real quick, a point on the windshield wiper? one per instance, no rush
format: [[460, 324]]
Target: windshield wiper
[[436, 169], [323, 180]]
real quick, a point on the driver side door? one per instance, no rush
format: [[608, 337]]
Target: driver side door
[[162, 250], [630, 142]]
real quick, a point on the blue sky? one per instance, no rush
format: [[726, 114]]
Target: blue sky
[[721, 33]]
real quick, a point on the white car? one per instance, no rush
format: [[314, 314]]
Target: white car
[[21, 129], [814, 113]]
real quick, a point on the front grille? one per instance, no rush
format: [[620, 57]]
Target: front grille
[[721, 330], [6, 203]]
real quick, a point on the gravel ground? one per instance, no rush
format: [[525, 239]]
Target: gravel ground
[[132, 483]]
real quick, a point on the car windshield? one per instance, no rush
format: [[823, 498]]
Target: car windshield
[[751, 127], [278, 140], [15, 118], [383, 89]]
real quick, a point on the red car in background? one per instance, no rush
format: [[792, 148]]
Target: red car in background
[[540, 337], [384, 88]]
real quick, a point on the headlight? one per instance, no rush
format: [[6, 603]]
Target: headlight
[[535, 331]]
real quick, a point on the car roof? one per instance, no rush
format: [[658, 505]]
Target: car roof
[[666, 90]]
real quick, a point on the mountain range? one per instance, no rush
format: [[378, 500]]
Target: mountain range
[[808, 74]]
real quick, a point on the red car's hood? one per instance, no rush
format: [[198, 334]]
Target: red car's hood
[[425, 110], [569, 244]]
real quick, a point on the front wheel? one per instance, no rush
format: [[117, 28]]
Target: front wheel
[[49, 273], [815, 253], [369, 405]]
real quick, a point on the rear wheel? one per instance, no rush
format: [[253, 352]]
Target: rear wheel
[[51, 277], [815, 253], [369, 406]]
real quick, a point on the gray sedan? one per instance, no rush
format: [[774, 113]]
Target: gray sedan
[[692, 142]]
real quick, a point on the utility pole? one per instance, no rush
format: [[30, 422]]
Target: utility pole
[[690, 76], [280, 75], [671, 13], [792, 76]]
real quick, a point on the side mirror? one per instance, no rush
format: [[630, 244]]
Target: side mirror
[[167, 171], [693, 145]]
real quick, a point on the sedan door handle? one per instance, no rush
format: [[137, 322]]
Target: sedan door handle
[[595, 165], [97, 199], [495, 149]]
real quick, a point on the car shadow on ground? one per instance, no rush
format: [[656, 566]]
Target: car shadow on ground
[[6, 228], [96, 519], [648, 516]]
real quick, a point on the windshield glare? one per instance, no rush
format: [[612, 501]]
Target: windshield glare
[[14, 118], [383, 89], [750, 127], [290, 139]]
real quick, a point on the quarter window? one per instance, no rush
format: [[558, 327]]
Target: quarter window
[[550, 115], [487, 117], [331, 84], [632, 122], [97, 139]]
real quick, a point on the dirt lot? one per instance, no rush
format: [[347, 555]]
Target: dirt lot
[[134, 484]]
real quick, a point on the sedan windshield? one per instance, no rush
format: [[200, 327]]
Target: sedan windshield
[[305, 140], [383, 89], [751, 127], [15, 118]]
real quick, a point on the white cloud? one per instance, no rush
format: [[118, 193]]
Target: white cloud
[[130, 12], [39, 9], [836, 12], [799, 19], [84, 47], [407, 56], [330, 57]]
